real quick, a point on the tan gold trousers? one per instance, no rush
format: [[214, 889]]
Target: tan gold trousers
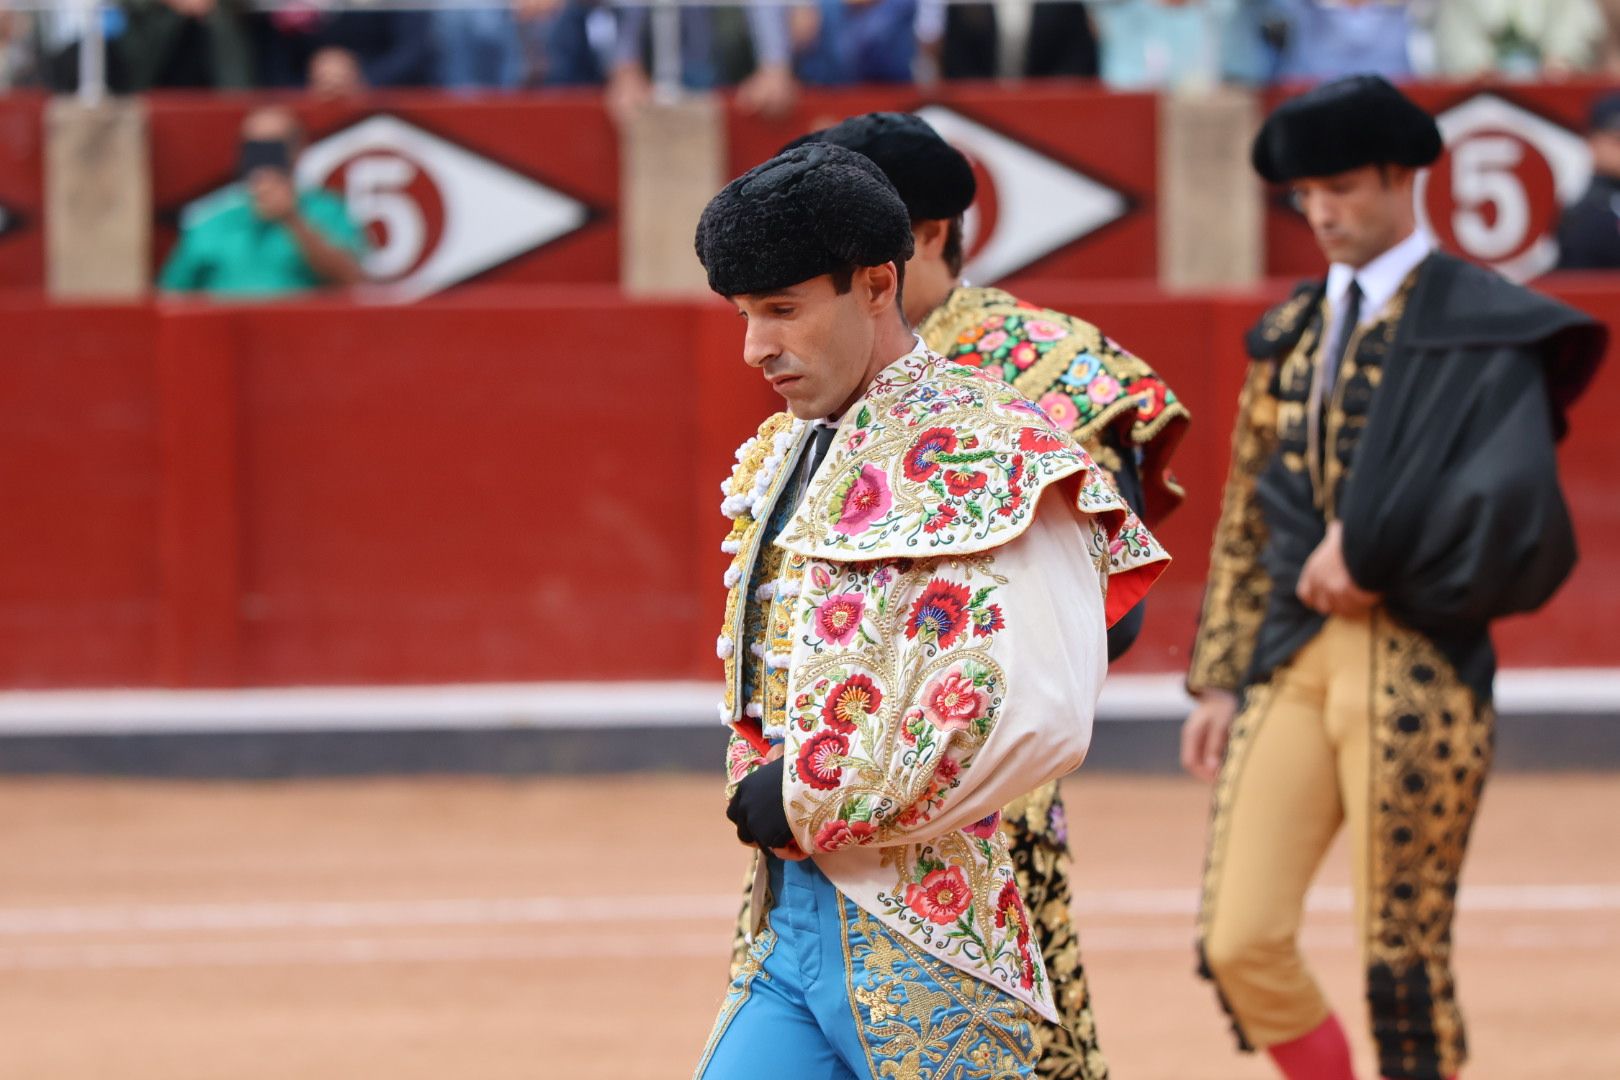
[[1367, 727]]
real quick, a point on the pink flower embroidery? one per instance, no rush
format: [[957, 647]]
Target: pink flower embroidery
[[1060, 407], [838, 619], [1103, 389], [741, 759], [1041, 330], [1024, 354], [951, 702], [868, 499], [841, 834], [992, 341], [942, 896]]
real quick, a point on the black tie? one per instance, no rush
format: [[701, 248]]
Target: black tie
[[820, 441], [1341, 340], [821, 438]]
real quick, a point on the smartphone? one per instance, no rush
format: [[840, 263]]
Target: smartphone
[[264, 154]]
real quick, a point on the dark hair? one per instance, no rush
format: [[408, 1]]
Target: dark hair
[[953, 246], [952, 251], [843, 279]]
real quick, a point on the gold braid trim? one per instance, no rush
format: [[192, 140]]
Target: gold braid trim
[[1235, 601]]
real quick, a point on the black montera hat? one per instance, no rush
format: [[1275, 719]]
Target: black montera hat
[[806, 212], [1344, 125], [933, 178]]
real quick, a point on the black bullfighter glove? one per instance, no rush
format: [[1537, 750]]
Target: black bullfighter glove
[[756, 808]]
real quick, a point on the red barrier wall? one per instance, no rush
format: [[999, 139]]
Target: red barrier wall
[[495, 487]]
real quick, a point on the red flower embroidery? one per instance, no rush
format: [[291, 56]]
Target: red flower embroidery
[[947, 771], [945, 517], [987, 620], [1010, 507], [1010, 906], [816, 763], [959, 482], [940, 614], [857, 697], [942, 896], [951, 701], [912, 726], [1037, 441], [839, 618], [985, 827], [841, 834], [919, 463]]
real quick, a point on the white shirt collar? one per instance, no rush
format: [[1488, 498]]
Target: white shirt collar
[[1381, 278]]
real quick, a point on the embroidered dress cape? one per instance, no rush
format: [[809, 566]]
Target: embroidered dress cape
[[930, 629]]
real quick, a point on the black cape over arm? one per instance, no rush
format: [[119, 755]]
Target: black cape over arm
[[1453, 511]]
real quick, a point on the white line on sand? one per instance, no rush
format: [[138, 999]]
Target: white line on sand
[[549, 910], [618, 945], [590, 705]]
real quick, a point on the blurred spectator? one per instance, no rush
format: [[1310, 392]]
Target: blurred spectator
[[957, 41], [1610, 53], [186, 44], [1062, 41], [264, 237], [478, 48], [1519, 38], [1321, 40], [1589, 230], [709, 42], [524, 43], [860, 41], [341, 53], [1148, 44], [18, 57]]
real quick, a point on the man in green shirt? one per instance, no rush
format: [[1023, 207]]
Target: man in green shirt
[[264, 237]]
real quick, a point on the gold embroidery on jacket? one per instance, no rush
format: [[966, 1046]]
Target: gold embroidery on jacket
[[1235, 599]]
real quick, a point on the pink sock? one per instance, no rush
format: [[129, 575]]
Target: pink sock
[[1320, 1054]]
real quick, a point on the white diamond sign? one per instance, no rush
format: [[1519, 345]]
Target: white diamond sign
[[443, 212], [1035, 205], [1496, 194]]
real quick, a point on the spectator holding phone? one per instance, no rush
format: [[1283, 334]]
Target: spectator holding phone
[[264, 237]]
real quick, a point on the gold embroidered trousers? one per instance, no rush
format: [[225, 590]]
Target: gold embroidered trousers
[[1367, 727]]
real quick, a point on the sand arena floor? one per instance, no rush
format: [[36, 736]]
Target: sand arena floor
[[472, 928]]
